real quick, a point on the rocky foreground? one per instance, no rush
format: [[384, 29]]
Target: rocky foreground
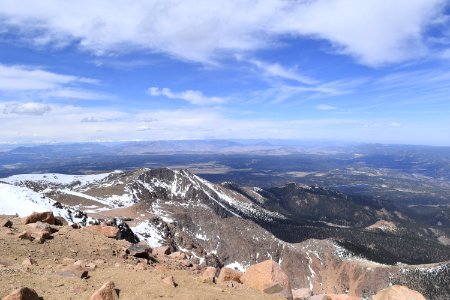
[[65, 262], [43, 257]]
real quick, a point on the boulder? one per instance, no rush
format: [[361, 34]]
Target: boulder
[[41, 235], [6, 223], [125, 233], [227, 274], [108, 231], [46, 217], [106, 292], [60, 221], [169, 281], [161, 251], [185, 263], [140, 250], [35, 235], [43, 227], [301, 294], [85, 265], [209, 275], [398, 292], [29, 262], [75, 226], [25, 235], [178, 255], [73, 271], [23, 294], [268, 277]]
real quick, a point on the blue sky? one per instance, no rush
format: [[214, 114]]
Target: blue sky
[[350, 70]]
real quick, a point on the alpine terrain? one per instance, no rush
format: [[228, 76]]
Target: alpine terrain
[[292, 241]]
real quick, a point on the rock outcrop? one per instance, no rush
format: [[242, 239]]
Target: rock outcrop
[[268, 277], [106, 292], [73, 271], [6, 223], [140, 250], [227, 274], [209, 275], [398, 292], [24, 293], [161, 251], [108, 231], [170, 281], [46, 217]]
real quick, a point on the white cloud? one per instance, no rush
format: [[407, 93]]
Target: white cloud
[[38, 82], [375, 32], [194, 97], [325, 107], [28, 108]]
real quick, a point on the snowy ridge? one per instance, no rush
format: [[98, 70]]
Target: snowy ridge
[[174, 188], [246, 208], [55, 178], [182, 184]]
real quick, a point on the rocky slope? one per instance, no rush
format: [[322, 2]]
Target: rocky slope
[[74, 263], [228, 225]]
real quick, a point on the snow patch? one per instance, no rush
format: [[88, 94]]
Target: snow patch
[[149, 233], [22, 201], [237, 266]]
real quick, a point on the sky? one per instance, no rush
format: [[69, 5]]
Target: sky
[[116, 70]]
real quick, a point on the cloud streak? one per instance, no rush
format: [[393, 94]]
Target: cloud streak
[[325, 107], [37, 82], [191, 96]]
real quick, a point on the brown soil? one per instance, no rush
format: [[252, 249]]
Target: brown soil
[[129, 275]]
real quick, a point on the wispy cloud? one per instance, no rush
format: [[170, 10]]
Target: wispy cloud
[[374, 32], [74, 93], [28, 108], [192, 96], [276, 70], [325, 107], [37, 82], [26, 78]]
